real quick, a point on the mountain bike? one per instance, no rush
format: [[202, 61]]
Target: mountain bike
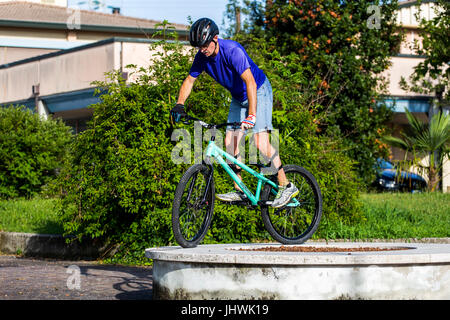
[[193, 203]]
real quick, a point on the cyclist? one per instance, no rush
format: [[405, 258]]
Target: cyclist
[[227, 62]]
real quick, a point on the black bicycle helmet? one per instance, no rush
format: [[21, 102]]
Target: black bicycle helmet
[[202, 32]]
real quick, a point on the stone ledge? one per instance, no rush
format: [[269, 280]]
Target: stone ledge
[[401, 240], [52, 246], [412, 253]]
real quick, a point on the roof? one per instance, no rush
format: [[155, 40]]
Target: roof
[[408, 3], [79, 48], [36, 15]]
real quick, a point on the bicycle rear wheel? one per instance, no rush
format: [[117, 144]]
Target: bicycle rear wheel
[[296, 222], [191, 211]]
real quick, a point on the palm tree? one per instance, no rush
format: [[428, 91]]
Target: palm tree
[[425, 139]]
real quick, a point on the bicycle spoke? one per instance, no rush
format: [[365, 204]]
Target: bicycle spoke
[[192, 214], [296, 218]]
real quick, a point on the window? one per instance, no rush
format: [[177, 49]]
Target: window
[[77, 125], [412, 104]]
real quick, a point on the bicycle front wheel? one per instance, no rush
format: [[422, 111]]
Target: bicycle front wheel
[[296, 222], [193, 206]]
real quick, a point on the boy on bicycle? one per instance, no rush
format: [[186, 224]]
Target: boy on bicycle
[[227, 62]]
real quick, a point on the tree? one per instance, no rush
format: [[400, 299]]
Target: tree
[[342, 56], [425, 139], [252, 11], [432, 76]]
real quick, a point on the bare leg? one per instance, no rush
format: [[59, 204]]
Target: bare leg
[[263, 145], [232, 139]]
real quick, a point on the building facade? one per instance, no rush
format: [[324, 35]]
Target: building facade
[[51, 54], [421, 105]]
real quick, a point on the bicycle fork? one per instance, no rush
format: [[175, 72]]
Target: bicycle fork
[[208, 183], [208, 186]]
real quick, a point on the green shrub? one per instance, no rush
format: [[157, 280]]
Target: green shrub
[[31, 150]]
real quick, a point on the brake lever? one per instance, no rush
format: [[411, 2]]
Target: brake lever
[[187, 121]]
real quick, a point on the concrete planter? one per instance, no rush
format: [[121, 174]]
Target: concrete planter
[[422, 271]]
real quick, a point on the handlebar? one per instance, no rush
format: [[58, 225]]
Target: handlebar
[[211, 126]]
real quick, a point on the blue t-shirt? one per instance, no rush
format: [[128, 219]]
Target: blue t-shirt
[[227, 66]]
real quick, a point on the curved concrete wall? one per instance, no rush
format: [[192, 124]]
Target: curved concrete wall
[[223, 272]]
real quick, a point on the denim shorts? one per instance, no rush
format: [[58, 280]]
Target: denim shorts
[[264, 103]]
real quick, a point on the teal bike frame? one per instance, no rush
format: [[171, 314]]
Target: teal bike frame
[[213, 151]]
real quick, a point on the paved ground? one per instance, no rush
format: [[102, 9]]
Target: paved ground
[[40, 279]]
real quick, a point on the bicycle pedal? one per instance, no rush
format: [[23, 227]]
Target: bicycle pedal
[[265, 203], [238, 203]]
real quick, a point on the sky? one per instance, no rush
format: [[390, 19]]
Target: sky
[[175, 11]]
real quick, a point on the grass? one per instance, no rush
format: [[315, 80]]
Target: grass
[[395, 216], [386, 216], [30, 216]]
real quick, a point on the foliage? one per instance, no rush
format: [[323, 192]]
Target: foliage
[[425, 139], [342, 57], [120, 171], [432, 76], [31, 152]]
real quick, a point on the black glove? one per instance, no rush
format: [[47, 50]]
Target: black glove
[[178, 112]]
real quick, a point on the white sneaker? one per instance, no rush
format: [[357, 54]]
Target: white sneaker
[[231, 196], [284, 195]]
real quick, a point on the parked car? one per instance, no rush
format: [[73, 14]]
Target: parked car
[[390, 178]]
